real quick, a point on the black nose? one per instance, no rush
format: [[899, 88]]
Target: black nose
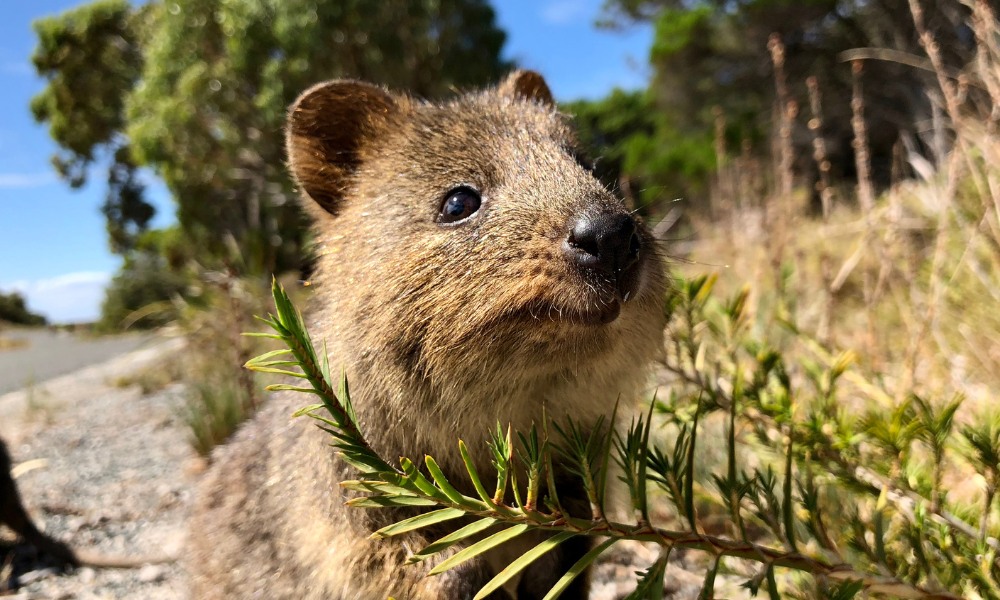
[[605, 242]]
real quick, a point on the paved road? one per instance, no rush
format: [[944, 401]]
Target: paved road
[[49, 354]]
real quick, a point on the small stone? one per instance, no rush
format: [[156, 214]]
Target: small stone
[[86, 575], [151, 573], [173, 543], [604, 591], [36, 575], [115, 576]]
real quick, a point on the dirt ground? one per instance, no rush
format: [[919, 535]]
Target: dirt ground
[[102, 467]]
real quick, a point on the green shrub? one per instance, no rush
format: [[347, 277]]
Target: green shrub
[[143, 294], [14, 310]]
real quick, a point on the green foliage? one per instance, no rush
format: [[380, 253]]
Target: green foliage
[[14, 310], [713, 54], [214, 410], [834, 498], [674, 164], [605, 128], [197, 91], [91, 57], [341, 422], [142, 294], [676, 29], [639, 150], [886, 461]]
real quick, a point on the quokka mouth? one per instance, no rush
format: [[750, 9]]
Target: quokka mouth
[[602, 302], [596, 315]]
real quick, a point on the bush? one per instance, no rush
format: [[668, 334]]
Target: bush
[[14, 310], [221, 394], [143, 294]]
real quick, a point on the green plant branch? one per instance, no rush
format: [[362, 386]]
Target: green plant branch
[[864, 478], [464, 506], [290, 329]]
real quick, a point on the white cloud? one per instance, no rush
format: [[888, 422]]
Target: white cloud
[[70, 298], [25, 180], [562, 12]]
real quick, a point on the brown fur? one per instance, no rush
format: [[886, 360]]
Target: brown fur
[[13, 515], [443, 330]]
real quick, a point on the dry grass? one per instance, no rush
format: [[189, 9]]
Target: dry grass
[[910, 279], [155, 378], [11, 344], [221, 393]]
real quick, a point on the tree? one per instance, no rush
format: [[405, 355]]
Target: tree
[[197, 90], [713, 53], [14, 310], [91, 57], [638, 150]]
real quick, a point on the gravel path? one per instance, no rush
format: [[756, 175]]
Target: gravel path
[[112, 474]]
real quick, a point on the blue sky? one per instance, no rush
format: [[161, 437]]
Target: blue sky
[[53, 247]]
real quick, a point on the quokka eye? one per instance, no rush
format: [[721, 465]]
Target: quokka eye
[[460, 204]]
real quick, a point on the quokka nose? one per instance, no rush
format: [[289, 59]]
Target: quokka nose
[[605, 242]]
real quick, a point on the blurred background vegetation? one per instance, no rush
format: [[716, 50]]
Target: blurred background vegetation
[[13, 310]]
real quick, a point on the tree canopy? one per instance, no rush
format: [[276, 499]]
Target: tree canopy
[[196, 91], [640, 151], [714, 53]]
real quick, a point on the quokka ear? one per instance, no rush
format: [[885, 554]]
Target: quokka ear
[[327, 129], [527, 85]]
